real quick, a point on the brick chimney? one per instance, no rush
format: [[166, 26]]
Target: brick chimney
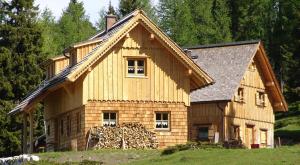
[[110, 21]]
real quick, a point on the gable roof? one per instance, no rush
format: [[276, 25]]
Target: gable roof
[[105, 41], [227, 64]]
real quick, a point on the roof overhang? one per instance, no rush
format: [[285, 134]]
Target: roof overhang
[[278, 101]]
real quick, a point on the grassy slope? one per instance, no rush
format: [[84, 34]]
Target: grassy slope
[[287, 124], [284, 155]]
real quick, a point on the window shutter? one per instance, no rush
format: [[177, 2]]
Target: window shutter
[[265, 100]]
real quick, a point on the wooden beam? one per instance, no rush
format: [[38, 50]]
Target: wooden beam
[[270, 84], [152, 36], [25, 133], [279, 104], [31, 131]]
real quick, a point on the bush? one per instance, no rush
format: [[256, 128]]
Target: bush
[[190, 145]]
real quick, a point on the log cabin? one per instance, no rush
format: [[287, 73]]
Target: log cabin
[[133, 72], [240, 105]]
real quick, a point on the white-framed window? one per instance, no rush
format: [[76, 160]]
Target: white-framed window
[[136, 66], [239, 96], [260, 98], [162, 120], [109, 119]]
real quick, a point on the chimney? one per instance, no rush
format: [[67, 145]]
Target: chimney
[[110, 21]]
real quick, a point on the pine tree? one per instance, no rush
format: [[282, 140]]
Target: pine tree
[[20, 73], [176, 20], [212, 21], [74, 24], [50, 34], [127, 6]]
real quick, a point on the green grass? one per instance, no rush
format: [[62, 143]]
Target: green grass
[[283, 155]]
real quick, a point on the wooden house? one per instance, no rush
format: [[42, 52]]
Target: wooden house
[[133, 72], [130, 72], [241, 103]]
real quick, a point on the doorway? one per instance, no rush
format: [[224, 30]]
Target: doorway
[[249, 135]]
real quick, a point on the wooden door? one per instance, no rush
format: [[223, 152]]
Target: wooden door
[[249, 136]]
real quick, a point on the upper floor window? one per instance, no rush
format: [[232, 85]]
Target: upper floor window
[[239, 97], [162, 120], [260, 98], [136, 67], [110, 119]]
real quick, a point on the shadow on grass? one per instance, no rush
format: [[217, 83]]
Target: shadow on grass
[[288, 137]]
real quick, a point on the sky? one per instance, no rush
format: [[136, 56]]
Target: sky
[[92, 7]]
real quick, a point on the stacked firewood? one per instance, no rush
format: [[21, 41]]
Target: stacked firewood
[[126, 136]]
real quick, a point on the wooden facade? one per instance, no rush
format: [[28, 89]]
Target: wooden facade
[[244, 115], [135, 73], [108, 87]]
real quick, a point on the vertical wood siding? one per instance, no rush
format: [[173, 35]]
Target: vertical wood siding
[[166, 79]]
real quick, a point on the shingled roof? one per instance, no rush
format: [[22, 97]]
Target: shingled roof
[[61, 77], [226, 64]]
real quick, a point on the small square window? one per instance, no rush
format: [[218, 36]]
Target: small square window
[[260, 98], [162, 120], [239, 96], [136, 67], [109, 119]]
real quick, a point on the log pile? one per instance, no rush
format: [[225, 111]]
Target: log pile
[[126, 136]]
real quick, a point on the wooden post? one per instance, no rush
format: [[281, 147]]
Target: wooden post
[[25, 133], [31, 132]]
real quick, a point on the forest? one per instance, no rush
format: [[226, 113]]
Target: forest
[[29, 36]]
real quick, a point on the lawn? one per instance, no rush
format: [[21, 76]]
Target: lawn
[[283, 155]]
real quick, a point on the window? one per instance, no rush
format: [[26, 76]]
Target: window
[[48, 129], [263, 138], [109, 119], [136, 67], [78, 122], [61, 127], [203, 133], [239, 97], [162, 120], [68, 125], [260, 98], [235, 132]]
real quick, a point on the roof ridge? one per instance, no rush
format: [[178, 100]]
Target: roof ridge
[[224, 44]]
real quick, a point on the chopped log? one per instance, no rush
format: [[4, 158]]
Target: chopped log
[[126, 135]]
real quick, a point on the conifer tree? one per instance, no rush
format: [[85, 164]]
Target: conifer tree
[[127, 6], [74, 24], [176, 20], [20, 73]]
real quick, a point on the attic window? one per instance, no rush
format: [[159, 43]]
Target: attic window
[[239, 96], [260, 98], [136, 67]]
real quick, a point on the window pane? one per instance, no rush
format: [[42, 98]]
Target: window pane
[[106, 116], [158, 116], [158, 124], [203, 133], [113, 116], [141, 62], [112, 123], [165, 124], [130, 62], [165, 116]]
